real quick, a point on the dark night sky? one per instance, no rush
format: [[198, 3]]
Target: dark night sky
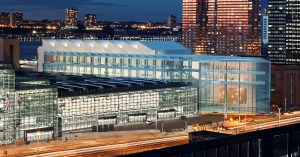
[[106, 10]]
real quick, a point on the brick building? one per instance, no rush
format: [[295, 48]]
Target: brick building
[[285, 87]]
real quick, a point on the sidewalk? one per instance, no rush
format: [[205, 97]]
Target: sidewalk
[[82, 140]]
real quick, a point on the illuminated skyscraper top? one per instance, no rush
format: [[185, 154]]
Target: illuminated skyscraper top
[[4, 19], [71, 18], [171, 21], [90, 21], [222, 27], [16, 19]]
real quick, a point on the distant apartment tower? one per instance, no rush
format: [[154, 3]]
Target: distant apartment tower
[[16, 19], [71, 18], [171, 21], [284, 34], [4, 19], [224, 27], [90, 21], [10, 51]]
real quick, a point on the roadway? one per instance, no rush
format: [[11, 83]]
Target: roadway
[[121, 148], [263, 122], [130, 142]]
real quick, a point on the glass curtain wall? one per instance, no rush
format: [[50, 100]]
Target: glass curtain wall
[[124, 107], [226, 84], [7, 104], [36, 109]]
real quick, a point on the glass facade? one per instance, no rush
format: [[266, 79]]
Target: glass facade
[[7, 104], [224, 27], [36, 108], [78, 112], [226, 84], [277, 31], [25, 106], [284, 17]]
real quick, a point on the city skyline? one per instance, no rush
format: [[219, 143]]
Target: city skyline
[[116, 10]]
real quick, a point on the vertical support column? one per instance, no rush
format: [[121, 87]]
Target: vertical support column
[[289, 143], [267, 146], [298, 149], [199, 89], [228, 150], [240, 148], [205, 153], [250, 148]]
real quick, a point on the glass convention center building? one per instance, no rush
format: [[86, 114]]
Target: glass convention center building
[[225, 84], [84, 83]]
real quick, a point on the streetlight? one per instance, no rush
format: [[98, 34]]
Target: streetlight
[[57, 126], [279, 116], [38, 133], [162, 126], [156, 119], [225, 112], [285, 105]]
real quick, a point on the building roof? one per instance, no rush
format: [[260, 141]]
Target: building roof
[[153, 49], [114, 46], [70, 85]]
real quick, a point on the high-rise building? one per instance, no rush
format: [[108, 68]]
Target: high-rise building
[[4, 19], [71, 18], [171, 21], [16, 19], [90, 21], [10, 51], [224, 27], [284, 34]]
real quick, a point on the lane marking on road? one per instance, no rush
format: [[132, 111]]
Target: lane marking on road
[[113, 146]]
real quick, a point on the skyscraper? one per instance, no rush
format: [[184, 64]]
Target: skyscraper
[[284, 34], [71, 18], [171, 21], [190, 23], [90, 21], [16, 19], [4, 19], [223, 27]]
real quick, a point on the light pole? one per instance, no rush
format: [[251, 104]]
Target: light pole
[[57, 127], [156, 119], [162, 126], [38, 133], [279, 116], [285, 105], [97, 122], [225, 112]]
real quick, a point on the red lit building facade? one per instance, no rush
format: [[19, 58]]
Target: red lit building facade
[[285, 87], [223, 27]]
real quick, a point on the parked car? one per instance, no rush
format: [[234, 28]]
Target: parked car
[[215, 113], [261, 114], [149, 122], [272, 114], [182, 117]]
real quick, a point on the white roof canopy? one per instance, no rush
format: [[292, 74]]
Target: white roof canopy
[[115, 46]]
